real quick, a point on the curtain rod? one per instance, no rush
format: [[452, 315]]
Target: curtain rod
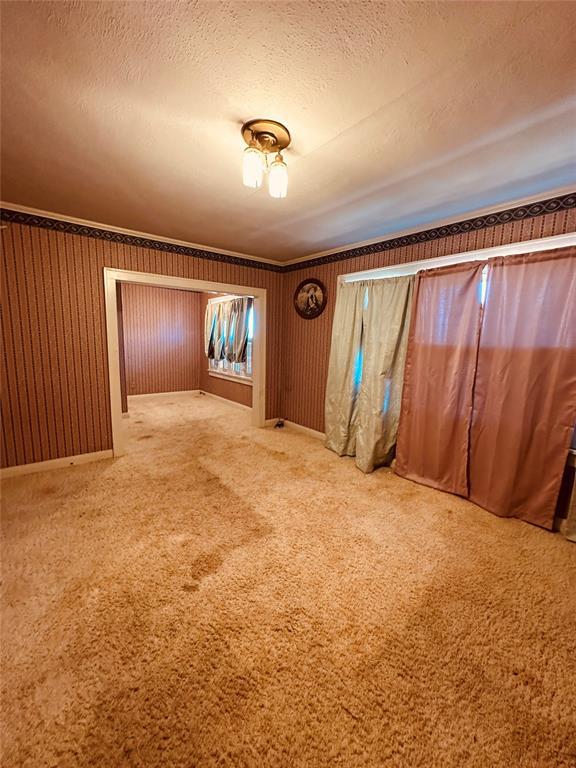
[[410, 268], [227, 297]]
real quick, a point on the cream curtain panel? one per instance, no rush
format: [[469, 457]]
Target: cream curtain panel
[[226, 329], [367, 356], [386, 319], [345, 357]]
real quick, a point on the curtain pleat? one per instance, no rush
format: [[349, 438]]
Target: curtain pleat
[[209, 322], [220, 331], [386, 313], [525, 390], [343, 369], [239, 310], [363, 394], [434, 428], [226, 329]]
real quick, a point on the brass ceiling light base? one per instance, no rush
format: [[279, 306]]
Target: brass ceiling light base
[[270, 135]]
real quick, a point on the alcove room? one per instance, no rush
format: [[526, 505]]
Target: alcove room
[[175, 347], [288, 384]]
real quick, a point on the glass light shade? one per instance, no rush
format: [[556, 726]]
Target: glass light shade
[[278, 178], [253, 167]]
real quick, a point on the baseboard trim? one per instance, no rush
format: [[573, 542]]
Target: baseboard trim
[[194, 392], [225, 400], [166, 394], [230, 377], [305, 430], [45, 466]]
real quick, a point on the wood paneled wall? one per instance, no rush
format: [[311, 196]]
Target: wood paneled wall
[[231, 390], [306, 343], [161, 339], [55, 394]]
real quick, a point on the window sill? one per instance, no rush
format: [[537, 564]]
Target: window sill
[[231, 377]]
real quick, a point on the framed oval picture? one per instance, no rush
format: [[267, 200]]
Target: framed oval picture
[[310, 298]]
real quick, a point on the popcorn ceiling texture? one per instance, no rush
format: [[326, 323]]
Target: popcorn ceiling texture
[[402, 114], [226, 596]]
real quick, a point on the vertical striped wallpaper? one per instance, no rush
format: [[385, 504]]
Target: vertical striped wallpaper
[[55, 394], [55, 398], [161, 339], [306, 343], [121, 351]]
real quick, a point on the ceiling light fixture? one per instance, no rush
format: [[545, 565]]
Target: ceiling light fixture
[[253, 166], [263, 138]]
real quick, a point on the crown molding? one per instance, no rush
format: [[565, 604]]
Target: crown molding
[[482, 219], [21, 214], [478, 219]]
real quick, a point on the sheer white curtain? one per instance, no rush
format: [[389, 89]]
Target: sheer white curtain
[[367, 356], [226, 329], [214, 331], [238, 330]]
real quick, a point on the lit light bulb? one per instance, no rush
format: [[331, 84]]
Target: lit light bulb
[[278, 177], [253, 166]]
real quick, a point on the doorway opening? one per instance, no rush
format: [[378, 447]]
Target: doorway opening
[[212, 291]]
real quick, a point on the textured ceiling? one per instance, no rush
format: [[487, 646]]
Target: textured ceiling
[[402, 114]]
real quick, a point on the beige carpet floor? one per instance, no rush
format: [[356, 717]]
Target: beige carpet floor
[[227, 596]]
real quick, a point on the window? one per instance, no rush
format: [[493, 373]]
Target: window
[[483, 285], [230, 333]]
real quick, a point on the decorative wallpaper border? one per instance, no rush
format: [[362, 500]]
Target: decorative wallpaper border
[[57, 225], [480, 222]]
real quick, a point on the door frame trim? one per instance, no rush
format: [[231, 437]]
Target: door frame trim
[[114, 276]]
